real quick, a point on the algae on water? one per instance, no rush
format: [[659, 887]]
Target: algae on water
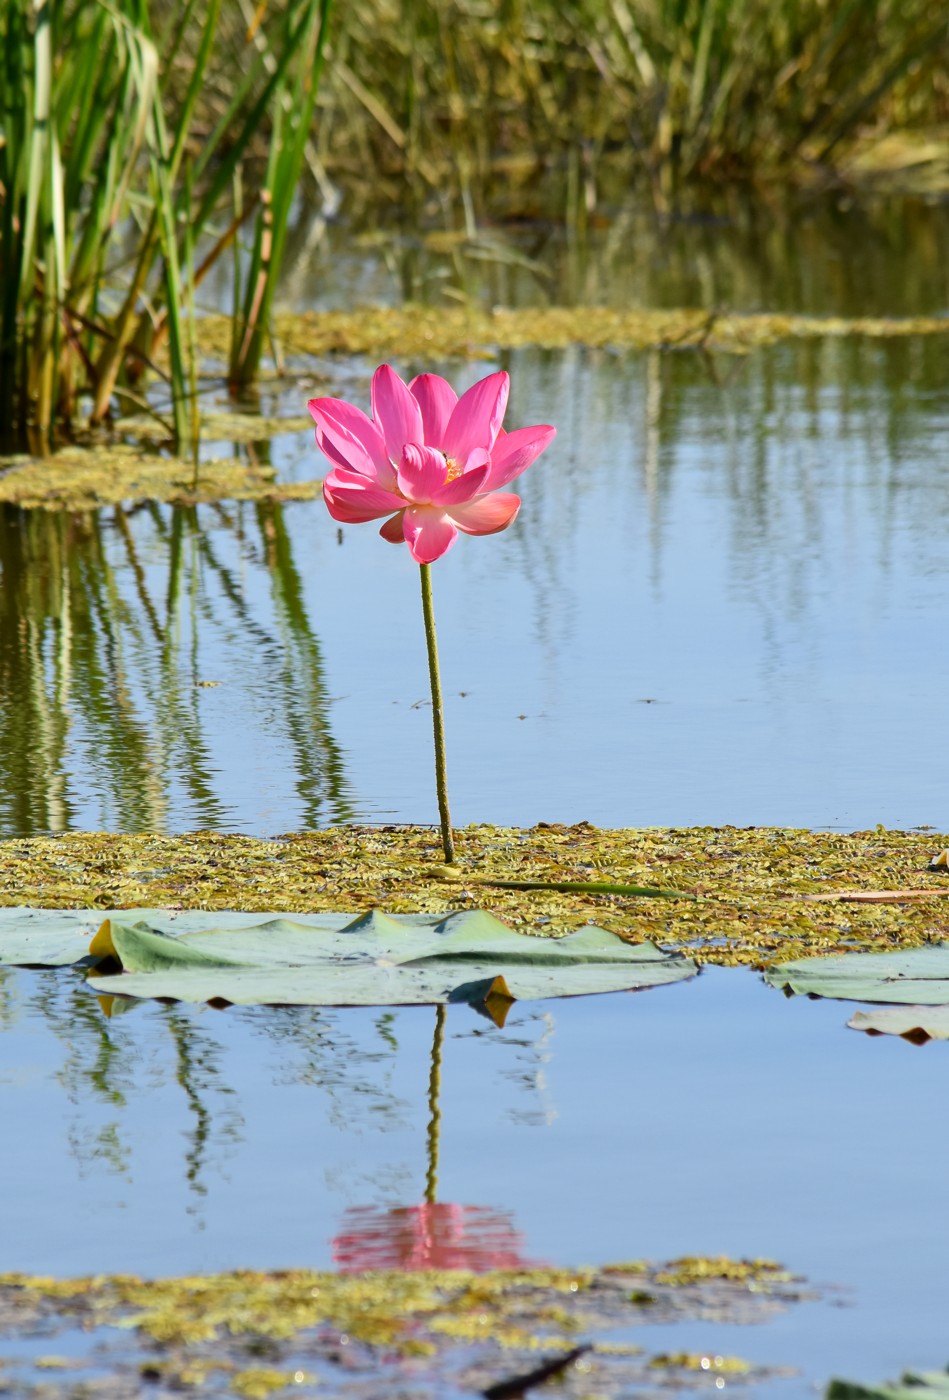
[[765, 895], [253, 1334]]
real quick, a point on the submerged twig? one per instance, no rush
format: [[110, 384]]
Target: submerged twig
[[516, 1386]]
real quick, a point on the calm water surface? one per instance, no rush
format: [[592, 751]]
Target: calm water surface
[[724, 601], [715, 1116]]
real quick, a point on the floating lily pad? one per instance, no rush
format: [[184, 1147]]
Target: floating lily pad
[[373, 960], [922, 1385], [915, 977], [46, 937], [330, 958], [917, 1023]]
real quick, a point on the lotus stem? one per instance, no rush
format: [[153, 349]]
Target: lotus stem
[[438, 715], [435, 1118]]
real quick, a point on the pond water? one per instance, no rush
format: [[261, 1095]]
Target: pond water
[[721, 603], [724, 601], [714, 1116]]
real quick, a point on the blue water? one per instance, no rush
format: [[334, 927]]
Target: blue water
[[724, 601], [714, 1116], [721, 603]]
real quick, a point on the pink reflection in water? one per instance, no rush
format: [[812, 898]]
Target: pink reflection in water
[[428, 1236]]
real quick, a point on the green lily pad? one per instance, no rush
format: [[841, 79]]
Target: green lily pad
[[915, 977], [913, 1385], [373, 960], [46, 937], [912, 1022]]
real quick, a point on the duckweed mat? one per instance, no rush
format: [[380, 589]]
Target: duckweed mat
[[762, 895], [84, 478], [131, 467], [467, 331], [421, 1334]]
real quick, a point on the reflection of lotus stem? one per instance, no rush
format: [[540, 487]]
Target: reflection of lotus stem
[[438, 717], [434, 1122]]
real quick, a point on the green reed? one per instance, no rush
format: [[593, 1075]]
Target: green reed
[[118, 152], [287, 143], [140, 140], [456, 91]]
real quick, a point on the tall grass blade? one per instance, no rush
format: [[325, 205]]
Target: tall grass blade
[[293, 119]]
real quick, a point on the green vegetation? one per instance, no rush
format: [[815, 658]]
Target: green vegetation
[[442, 90], [912, 1385], [141, 143], [85, 478], [336, 960], [766, 895], [254, 1334], [116, 159]]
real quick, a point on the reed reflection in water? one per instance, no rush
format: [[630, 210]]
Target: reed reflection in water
[[131, 639], [717, 605], [793, 252], [132, 1136]]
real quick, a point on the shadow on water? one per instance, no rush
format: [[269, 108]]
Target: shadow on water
[[107, 620]]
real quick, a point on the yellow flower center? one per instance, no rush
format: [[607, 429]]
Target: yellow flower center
[[453, 468]]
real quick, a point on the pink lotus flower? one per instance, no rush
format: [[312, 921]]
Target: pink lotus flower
[[429, 461]]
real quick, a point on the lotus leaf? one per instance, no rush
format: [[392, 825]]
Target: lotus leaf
[[923, 1385], [371, 960], [46, 937], [916, 976], [913, 1022]]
